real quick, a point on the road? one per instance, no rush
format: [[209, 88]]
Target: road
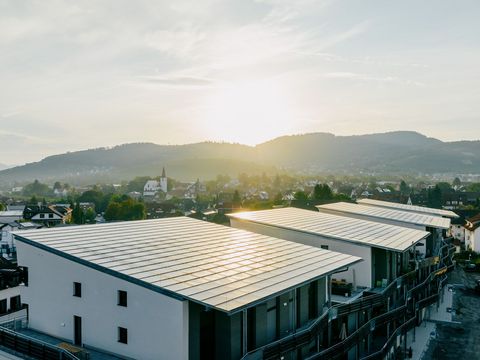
[[459, 341]]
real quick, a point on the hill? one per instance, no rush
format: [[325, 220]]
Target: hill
[[393, 153]]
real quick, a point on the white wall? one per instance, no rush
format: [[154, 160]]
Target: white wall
[[458, 232], [11, 292], [157, 324], [361, 272], [472, 240]]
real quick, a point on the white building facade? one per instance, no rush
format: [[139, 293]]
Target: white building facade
[[187, 289]]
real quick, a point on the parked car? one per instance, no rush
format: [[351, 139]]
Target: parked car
[[470, 267]]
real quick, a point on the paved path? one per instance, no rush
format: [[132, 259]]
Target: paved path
[[459, 341]]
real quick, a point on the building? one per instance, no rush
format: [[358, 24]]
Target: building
[[173, 288], [408, 207], [385, 249], [437, 226], [152, 187], [9, 216], [7, 243], [472, 233], [47, 215]]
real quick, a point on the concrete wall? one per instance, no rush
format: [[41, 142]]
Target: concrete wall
[[157, 324], [360, 274]]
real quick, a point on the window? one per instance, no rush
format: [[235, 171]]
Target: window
[[3, 306], [325, 247], [122, 335], [77, 289], [42, 216], [15, 303], [50, 216], [122, 298]]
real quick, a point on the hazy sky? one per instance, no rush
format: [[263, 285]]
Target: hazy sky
[[82, 74]]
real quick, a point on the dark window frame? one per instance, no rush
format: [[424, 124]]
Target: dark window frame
[[122, 335], [122, 298], [77, 289]]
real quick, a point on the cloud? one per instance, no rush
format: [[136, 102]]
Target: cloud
[[366, 77], [177, 81]]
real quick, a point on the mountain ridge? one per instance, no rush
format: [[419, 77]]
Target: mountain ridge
[[398, 152]]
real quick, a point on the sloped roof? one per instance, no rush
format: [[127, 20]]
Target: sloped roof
[[405, 207], [375, 212], [214, 265], [363, 232], [472, 223]]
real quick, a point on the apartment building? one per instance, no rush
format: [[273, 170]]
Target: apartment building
[[437, 226], [174, 288], [386, 249]]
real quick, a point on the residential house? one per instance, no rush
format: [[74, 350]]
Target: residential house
[[47, 215], [472, 233]]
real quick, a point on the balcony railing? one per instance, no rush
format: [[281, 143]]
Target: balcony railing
[[310, 333], [21, 344]]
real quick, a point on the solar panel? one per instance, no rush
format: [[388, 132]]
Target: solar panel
[[368, 233], [405, 207], [215, 265], [388, 214]]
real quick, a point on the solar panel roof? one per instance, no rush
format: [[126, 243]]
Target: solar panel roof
[[388, 214], [218, 266], [368, 233], [405, 207]]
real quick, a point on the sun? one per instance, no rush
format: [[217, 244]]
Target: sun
[[249, 112]]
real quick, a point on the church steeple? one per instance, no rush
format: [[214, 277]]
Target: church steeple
[[163, 172]]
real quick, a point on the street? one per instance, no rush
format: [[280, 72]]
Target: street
[[459, 341]]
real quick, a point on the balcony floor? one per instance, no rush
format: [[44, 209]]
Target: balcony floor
[[94, 354], [339, 299]]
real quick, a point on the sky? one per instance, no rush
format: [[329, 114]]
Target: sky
[[85, 74]]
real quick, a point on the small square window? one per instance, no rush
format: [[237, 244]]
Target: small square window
[[122, 335], [42, 216], [122, 298], [77, 289], [50, 216]]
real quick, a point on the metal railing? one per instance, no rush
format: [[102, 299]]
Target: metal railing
[[308, 334], [22, 344]]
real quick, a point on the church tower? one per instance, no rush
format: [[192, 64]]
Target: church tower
[[163, 181]]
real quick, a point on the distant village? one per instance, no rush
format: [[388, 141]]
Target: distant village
[[37, 205], [380, 251]]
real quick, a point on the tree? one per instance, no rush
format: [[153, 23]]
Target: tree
[[2, 207], [236, 198], [322, 192], [444, 186], [404, 188], [36, 188], [474, 187], [57, 186], [278, 199], [33, 201], [125, 208], [457, 182], [434, 197], [113, 211], [300, 196], [78, 217], [90, 216]]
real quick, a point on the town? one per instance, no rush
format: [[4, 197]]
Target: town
[[239, 180], [381, 252]]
